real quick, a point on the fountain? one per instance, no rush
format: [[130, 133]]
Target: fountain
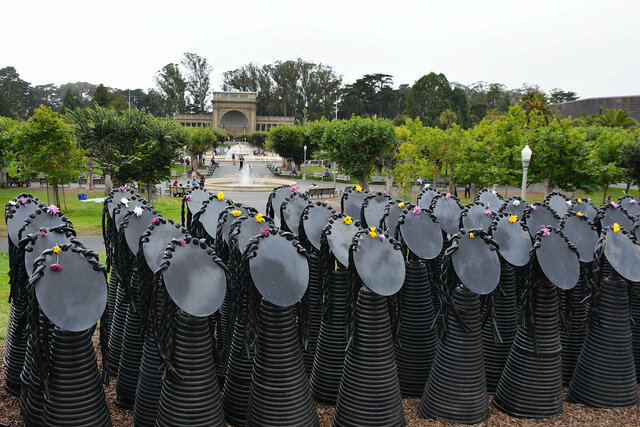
[[240, 149], [243, 181]]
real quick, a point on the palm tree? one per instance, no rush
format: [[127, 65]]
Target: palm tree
[[447, 117], [536, 102], [616, 118]]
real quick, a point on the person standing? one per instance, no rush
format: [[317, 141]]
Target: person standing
[[241, 162], [467, 190], [233, 158]]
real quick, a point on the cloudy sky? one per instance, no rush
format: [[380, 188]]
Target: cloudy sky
[[585, 46]]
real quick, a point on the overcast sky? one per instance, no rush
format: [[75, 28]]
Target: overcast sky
[[589, 47]]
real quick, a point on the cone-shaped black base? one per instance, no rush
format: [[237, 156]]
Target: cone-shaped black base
[[369, 392], [315, 310], [222, 346], [457, 388], [280, 392], [31, 390], [531, 382], [131, 355], [194, 400], [15, 347], [635, 327], [237, 384], [416, 345], [116, 333], [112, 296], [605, 375], [506, 312], [573, 335], [76, 396], [332, 342]]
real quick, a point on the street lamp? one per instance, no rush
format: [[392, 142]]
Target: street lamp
[[526, 158], [304, 165], [184, 160]]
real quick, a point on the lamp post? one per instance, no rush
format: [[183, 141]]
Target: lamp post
[[184, 159], [526, 158], [304, 164]]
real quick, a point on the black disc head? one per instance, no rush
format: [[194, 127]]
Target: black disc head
[[280, 273], [379, 264], [250, 228], [195, 282], [339, 237], [582, 235], [477, 215], [75, 297], [585, 207], [352, 201], [558, 261], [19, 215], [39, 220], [514, 242], [198, 196], [115, 199], [476, 264], [317, 218], [210, 216], [426, 197], [118, 217], [393, 210], [239, 210], [490, 199], [558, 202], [541, 216], [421, 234], [631, 205], [136, 227], [42, 242], [448, 213], [278, 198], [514, 206], [373, 209], [159, 238], [292, 211], [623, 254], [612, 215]]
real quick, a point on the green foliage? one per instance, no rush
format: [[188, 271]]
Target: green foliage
[[615, 118], [605, 157], [537, 104], [630, 158], [101, 96], [173, 87], [559, 95], [69, 102], [198, 82], [358, 143], [431, 95], [46, 144], [288, 142], [257, 138], [8, 130], [200, 140]]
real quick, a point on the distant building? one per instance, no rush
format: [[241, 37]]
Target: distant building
[[234, 112], [591, 106]]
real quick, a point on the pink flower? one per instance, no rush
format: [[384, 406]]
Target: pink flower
[[545, 231], [447, 196], [488, 212], [154, 220], [23, 201], [43, 234], [292, 189], [416, 210], [264, 232], [382, 237], [122, 188], [326, 202], [53, 209], [188, 196], [182, 242], [633, 201], [384, 192], [533, 207], [56, 267], [615, 205]]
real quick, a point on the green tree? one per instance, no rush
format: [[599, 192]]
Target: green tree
[[69, 102], [615, 118], [559, 95], [536, 103], [15, 91], [8, 130], [198, 82], [448, 117], [630, 159], [173, 87], [431, 95], [357, 144], [605, 156], [257, 138], [200, 140], [287, 141], [46, 144], [101, 96]]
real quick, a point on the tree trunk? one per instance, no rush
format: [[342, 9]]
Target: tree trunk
[[56, 194], [364, 183], [90, 164], [548, 186], [148, 193], [506, 191], [108, 185], [452, 180], [389, 181], [3, 177], [378, 170], [604, 193]]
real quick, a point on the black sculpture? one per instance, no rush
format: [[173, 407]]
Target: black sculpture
[[373, 208], [490, 199], [192, 203], [352, 200]]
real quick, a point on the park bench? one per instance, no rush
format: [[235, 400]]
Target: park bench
[[98, 181], [343, 178], [377, 180], [322, 192], [178, 191]]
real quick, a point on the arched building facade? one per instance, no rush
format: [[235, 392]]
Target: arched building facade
[[234, 112]]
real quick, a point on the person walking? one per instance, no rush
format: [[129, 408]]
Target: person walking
[[233, 158], [467, 190], [241, 161]]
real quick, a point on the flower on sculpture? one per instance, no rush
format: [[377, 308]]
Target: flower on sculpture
[[579, 213], [569, 202], [56, 267], [182, 242], [347, 220], [292, 189], [382, 237], [488, 212], [155, 220], [447, 196], [516, 202], [125, 201], [264, 232], [236, 212], [259, 218], [326, 203], [416, 210], [615, 227], [533, 207], [615, 205], [43, 233], [513, 218], [56, 249], [13, 202], [545, 231], [188, 197], [358, 189], [122, 188], [633, 201], [472, 235], [579, 200], [137, 211], [401, 204], [220, 195], [372, 232], [53, 209], [23, 201]]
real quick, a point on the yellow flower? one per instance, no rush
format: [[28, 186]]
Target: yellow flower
[[347, 220], [579, 213], [220, 195], [615, 227], [472, 236], [56, 249], [401, 204], [372, 232], [259, 218], [235, 212], [513, 218], [358, 189], [579, 200]]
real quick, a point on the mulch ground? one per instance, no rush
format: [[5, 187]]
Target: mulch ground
[[573, 415]]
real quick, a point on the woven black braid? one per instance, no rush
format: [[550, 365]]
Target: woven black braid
[[503, 208], [283, 207], [327, 267], [486, 190], [365, 203], [253, 297], [269, 208]]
